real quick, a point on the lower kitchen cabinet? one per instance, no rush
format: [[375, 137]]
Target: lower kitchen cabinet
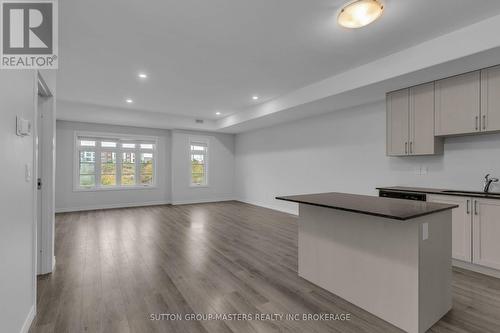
[[486, 233], [475, 229], [461, 225]]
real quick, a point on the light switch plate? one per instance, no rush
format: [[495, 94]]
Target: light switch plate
[[23, 127]]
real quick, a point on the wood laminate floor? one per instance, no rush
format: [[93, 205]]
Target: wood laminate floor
[[117, 267]]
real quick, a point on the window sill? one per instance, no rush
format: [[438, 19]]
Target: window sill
[[118, 188], [198, 186]]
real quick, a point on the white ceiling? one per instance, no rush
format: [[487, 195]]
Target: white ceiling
[[207, 56]]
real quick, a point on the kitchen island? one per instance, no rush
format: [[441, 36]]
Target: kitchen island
[[390, 257]]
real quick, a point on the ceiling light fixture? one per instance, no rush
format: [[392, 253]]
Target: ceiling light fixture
[[217, 113], [142, 76], [255, 98], [360, 13], [129, 100]]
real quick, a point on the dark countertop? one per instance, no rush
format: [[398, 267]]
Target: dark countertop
[[475, 194], [370, 205]]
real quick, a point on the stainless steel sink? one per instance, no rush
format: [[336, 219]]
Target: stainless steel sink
[[473, 192]]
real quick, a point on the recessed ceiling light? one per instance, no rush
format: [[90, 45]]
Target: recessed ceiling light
[[129, 100], [255, 98], [359, 13], [142, 76], [217, 113]]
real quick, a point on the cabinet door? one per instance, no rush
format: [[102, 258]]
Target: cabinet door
[[422, 140], [461, 239], [490, 99], [457, 104], [486, 231], [397, 122]]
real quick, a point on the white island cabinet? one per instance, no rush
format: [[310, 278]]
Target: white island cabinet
[[390, 257]]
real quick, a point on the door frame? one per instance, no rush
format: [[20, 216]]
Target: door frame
[[44, 250]]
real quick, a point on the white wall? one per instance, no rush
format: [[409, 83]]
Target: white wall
[[17, 228], [345, 151], [220, 168], [69, 200]]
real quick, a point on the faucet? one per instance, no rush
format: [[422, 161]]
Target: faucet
[[487, 182]]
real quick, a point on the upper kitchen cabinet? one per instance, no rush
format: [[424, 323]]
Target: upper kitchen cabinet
[[422, 140], [410, 122], [490, 99], [457, 102], [398, 117]]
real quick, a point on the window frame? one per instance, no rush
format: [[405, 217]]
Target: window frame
[[200, 141], [119, 138]]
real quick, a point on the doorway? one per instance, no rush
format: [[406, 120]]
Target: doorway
[[45, 172]]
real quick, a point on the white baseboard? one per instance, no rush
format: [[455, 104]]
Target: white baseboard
[[476, 268], [195, 201], [110, 206], [28, 320], [293, 211], [176, 202]]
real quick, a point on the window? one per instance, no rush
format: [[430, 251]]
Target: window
[[128, 145], [108, 168], [112, 162], [128, 169], [87, 143], [87, 169], [146, 169], [199, 163], [108, 144]]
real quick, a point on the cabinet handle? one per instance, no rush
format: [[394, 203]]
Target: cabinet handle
[[406, 147], [468, 209], [411, 147], [475, 207], [484, 121], [477, 123]]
